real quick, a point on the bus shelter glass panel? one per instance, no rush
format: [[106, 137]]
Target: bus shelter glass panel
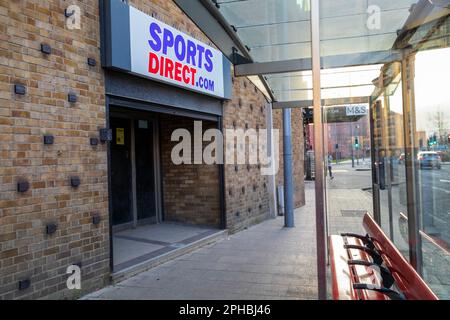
[[389, 171], [347, 146], [430, 124], [355, 26]]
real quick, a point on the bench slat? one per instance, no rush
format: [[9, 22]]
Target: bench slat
[[407, 279], [343, 275]]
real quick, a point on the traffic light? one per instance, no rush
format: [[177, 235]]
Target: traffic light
[[448, 138], [356, 143], [432, 141]]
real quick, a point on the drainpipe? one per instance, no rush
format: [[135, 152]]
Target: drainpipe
[[288, 180]]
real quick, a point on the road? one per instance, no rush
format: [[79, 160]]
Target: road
[[435, 195]]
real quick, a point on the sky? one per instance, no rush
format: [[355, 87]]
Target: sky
[[432, 87]]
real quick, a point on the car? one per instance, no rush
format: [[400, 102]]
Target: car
[[429, 159]]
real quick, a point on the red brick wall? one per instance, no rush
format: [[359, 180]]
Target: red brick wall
[[190, 191]]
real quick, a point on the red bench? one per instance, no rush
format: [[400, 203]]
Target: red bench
[[370, 267]]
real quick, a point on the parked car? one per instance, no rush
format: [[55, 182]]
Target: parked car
[[429, 159]]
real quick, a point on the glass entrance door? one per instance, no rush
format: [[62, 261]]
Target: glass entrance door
[[133, 184], [145, 171], [121, 172]]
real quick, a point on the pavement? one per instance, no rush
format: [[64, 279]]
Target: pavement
[[266, 261], [134, 246]]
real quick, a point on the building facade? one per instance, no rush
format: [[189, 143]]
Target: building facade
[[63, 190]]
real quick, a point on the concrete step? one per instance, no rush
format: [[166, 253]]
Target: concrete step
[[175, 253]]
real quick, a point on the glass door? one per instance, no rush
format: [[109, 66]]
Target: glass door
[[121, 172], [134, 188], [145, 171]]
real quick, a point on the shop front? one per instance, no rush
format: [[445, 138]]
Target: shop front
[[158, 80], [88, 177]]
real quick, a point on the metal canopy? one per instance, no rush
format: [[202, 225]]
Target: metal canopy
[[347, 60], [325, 102]]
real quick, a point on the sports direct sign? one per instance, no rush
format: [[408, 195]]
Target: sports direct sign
[[147, 47]]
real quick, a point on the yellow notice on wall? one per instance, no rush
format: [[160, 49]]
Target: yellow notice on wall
[[120, 136]]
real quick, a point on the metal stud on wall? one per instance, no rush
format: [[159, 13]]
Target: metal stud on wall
[[91, 62], [20, 89], [49, 139], [93, 141], [45, 48], [75, 182], [96, 219], [72, 97], [23, 186], [24, 284], [50, 228]]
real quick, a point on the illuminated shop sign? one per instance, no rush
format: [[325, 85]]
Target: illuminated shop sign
[[346, 113], [357, 110], [140, 44]]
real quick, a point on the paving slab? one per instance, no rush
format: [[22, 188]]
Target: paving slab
[[265, 262]]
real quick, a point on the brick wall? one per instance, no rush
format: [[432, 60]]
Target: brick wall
[[247, 191], [190, 191], [26, 252]]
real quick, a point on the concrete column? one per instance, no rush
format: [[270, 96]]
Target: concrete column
[[288, 174]]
